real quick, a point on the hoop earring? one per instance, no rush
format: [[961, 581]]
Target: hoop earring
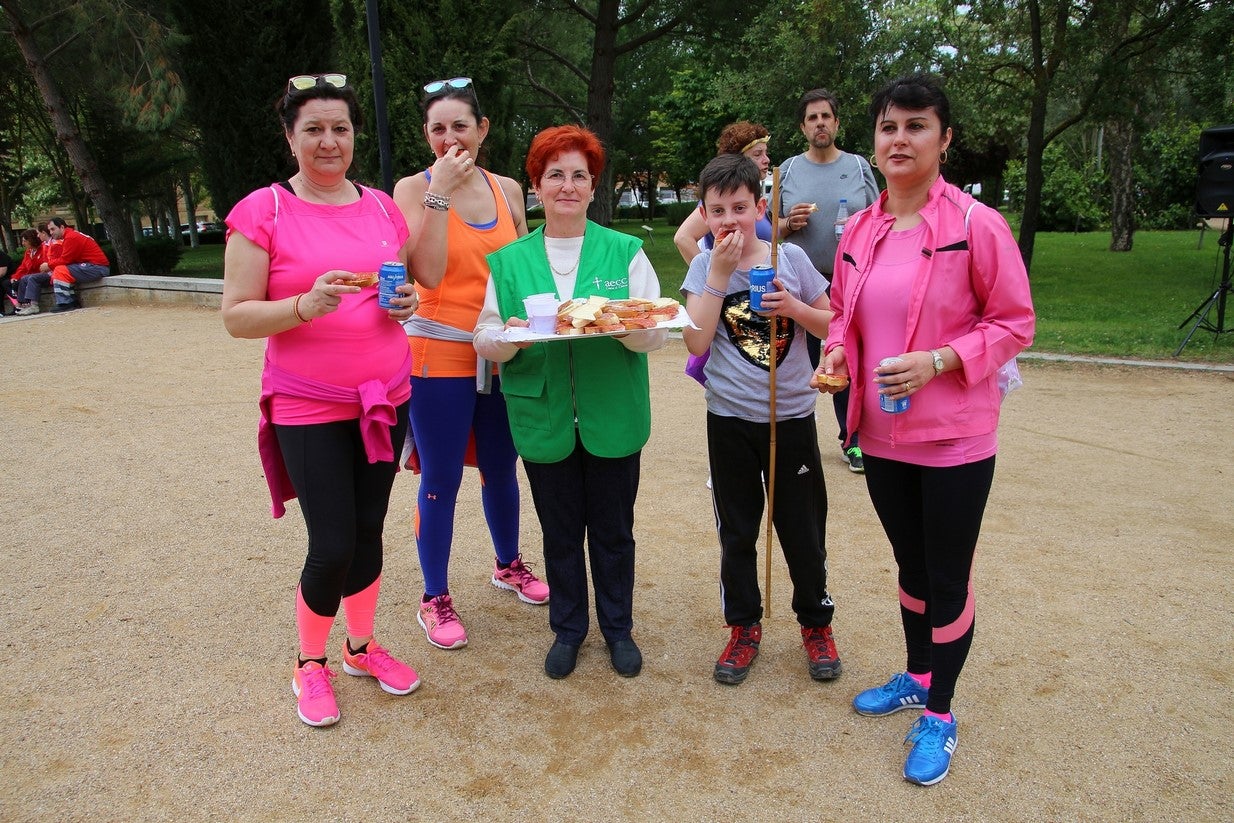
[[942, 160], [873, 162]]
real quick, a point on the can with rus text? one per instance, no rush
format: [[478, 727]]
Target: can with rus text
[[887, 404], [760, 282], [391, 275]]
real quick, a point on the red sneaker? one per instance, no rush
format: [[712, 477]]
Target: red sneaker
[[821, 652], [738, 656]]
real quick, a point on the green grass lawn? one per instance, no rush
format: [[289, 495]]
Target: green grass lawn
[[203, 261], [1089, 300]]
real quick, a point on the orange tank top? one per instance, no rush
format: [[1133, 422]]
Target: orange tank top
[[460, 296]]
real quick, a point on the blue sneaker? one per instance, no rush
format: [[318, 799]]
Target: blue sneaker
[[900, 692], [934, 742]]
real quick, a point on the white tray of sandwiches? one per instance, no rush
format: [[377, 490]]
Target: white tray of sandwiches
[[600, 317]]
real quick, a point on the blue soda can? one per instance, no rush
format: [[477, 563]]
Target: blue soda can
[[391, 275], [888, 404], [760, 282]]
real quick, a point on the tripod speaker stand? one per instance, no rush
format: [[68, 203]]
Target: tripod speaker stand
[[1218, 298]]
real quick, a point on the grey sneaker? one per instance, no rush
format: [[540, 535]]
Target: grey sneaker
[[852, 456]]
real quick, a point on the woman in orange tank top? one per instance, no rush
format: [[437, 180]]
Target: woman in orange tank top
[[457, 213]]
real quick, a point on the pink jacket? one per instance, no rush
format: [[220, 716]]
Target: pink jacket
[[970, 292], [377, 417]]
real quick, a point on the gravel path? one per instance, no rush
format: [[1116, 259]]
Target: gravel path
[[146, 604]]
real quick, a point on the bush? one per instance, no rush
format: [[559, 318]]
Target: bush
[[1165, 176], [678, 212], [210, 237], [1074, 195], [158, 255]]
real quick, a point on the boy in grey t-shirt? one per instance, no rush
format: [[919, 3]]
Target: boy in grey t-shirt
[[716, 289]]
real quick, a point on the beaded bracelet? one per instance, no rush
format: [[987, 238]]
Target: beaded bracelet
[[716, 292], [295, 309], [437, 202]]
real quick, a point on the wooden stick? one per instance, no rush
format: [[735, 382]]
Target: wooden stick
[[771, 459]]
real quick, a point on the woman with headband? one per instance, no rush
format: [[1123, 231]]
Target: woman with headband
[[745, 138]]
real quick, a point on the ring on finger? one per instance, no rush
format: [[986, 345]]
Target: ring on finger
[[908, 385]]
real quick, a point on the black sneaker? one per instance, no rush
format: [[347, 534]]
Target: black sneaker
[[627, 660], [738, 656]]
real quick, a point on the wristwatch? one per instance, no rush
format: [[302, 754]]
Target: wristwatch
[[938, 362]]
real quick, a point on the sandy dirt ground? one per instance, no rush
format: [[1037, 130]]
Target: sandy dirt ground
[[146, 607]]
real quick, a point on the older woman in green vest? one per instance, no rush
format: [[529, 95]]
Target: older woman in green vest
[[579, 406]]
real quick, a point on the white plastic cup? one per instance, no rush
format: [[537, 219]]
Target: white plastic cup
[[541, 313]]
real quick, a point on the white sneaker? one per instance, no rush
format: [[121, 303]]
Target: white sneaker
[[32, 308]]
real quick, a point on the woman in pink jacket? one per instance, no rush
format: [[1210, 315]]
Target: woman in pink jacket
[[931, 298]]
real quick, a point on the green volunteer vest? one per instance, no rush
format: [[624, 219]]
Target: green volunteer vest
[[597, 381]]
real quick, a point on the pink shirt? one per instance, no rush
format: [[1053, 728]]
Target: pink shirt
[[882, 315], [349, 347]]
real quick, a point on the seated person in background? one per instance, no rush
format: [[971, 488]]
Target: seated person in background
[[73, 258], [32, 275]]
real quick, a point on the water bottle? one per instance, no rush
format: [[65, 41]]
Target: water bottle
[[841, 216]]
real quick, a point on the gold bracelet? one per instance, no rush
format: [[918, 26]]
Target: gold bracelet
[[295, 309]]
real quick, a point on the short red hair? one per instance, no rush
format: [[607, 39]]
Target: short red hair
[[558, 140]]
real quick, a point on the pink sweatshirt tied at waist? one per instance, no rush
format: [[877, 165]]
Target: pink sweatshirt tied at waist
[[377, 415]]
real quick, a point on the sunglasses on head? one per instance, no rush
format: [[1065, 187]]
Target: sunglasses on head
[[304, 82], [453, 82]]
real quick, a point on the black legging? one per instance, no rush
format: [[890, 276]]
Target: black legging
[[344, 499], [932, 517]]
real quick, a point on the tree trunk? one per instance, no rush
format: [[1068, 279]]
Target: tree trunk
[[96, 187], [600, 103], [190, 205], [1120, 139], [1034, 177]]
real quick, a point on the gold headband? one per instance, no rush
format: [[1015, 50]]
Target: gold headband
[[754, 143]]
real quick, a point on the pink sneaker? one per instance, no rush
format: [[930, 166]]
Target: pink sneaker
[[394, 676], [315, 705], [441, 624], [519, 579]]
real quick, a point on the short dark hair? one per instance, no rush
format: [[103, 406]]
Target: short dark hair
[[289, 105], [813, 96], [32, 237], [59, 221], [913, 92], [728, 173]]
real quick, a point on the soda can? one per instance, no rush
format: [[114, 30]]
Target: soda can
[[889, 404], [760, 282], [391, 275]]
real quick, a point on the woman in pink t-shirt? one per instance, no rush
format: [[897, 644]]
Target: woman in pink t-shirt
[[930, 298], [335, 386]]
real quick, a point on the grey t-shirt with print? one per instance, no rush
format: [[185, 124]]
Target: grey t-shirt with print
[[739, 369]]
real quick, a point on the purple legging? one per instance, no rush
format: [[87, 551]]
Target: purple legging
[[444, 410]]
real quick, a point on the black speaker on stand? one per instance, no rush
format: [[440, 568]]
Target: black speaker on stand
[[1214, 197]]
